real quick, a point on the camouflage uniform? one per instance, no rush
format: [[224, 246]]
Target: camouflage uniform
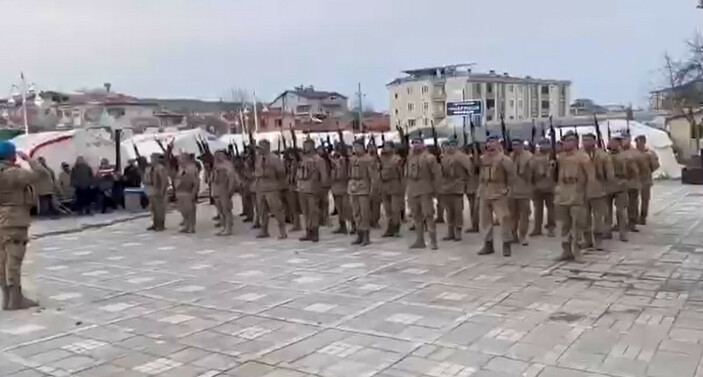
[[470, 189], [224, 184], [340, 182], [424, 177], [496, 176], [392, 191], [456, 168], [187, 185], [362, 182], [597, 198], [575, 172], [634, 184], [16, 200], [617, 194], [156, 184], [648, 163], [543, 184], [519, 196], [269, 176], [311, 178]]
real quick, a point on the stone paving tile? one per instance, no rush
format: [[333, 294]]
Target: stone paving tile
[[119, 301]]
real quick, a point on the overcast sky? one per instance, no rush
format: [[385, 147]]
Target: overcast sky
[[610, 49]]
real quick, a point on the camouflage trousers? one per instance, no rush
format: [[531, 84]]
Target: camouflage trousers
[[13, 246]]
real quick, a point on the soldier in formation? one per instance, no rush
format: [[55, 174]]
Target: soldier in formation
[[584, 189], [187, 185], [362, 184], [424, 178], [269, 176]]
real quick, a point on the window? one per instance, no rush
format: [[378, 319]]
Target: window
[[563, 91], [477, 88], [302, 109], [511, 117], [410, 90], [545, 89], [519, 104], [510, 88], [411, 106], [425, 89], [489, 117], [519, 89], [396, 111], [545, 105], [426, 106], [411, 122], [279, 122], [512, 103], [489, 88], [424, 121], [490, 104], [396, 96]]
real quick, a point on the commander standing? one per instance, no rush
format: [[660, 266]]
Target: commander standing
[[16, 199]]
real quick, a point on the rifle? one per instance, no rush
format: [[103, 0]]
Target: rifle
[[507, 144], [533, 146], [252, 147], [436, 144], [342, 145], [599, 136], [405, 147], [295, 145], [609, 136], [553, 153], [474, 146], [141, 162], [330, 147]]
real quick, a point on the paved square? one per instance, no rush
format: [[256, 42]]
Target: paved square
[[119, 301]]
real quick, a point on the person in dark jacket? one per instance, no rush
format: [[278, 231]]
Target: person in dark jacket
[[82, 180]]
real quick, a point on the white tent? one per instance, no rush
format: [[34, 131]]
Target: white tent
[[657, 140], [57, 147], [183, 142], [273, 137]]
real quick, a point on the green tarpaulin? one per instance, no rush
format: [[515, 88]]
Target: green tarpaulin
[[8, 134]]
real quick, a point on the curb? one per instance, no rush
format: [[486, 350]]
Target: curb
[[88, 226]]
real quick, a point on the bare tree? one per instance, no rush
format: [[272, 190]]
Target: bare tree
[[684, 84]]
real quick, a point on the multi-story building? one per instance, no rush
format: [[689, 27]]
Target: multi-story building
[[305, 100], [420, 98]]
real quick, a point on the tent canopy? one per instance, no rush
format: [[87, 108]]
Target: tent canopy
[[183, 142]]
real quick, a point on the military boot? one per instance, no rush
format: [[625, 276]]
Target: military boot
[[282, 234], [536, 232], [598, 242], [457, 234], [296, 223], [218, 225], [5, 297], [550, 233], [353, 228], [264, 233], [419, 240], [487, 248], [359, 238], [366, 238], [608, 235], [17, 299], [450, 234], [315, 234], [307, 236], [396, 230], [153, 227], [576, 254], [389, 230], [342, 228], [433, 241], [506, 249], [565, 252], [587, 240]]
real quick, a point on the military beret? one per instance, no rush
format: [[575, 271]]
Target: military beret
[[616, 136], [516, 140], [625, 134], [7, 150], [589, 135], [358, 142], [264, 141], [492, 138], [418, 140], [545, 141], [309, 141], [641, 137]]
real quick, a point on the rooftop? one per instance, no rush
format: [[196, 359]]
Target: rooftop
[[465, 70], [310, 92]]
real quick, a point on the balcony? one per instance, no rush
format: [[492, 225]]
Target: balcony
[[439, 95], [438, 113]]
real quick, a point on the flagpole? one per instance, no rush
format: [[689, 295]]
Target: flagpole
[[24, 103]]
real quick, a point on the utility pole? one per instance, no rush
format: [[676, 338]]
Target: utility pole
[[360, 96]]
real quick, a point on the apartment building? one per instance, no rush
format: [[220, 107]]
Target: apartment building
[[420, 98], [306, 100]]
